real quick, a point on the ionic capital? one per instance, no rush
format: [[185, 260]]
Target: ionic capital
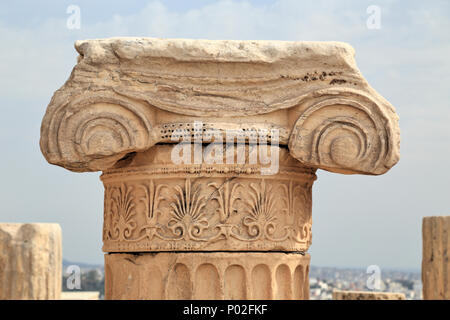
[[127, 94]]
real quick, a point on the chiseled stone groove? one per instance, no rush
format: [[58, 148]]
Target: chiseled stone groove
[[216, 275]]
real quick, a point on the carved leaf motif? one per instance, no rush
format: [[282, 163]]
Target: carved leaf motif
[[152, 197], [122, 208], [262, 202], [261, 218], [301, 228], [188, 219], [226, 198], [261, 215], [272, 211]]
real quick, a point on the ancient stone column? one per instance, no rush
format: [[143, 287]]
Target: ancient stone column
[[208, 151], [30, 261], [435, 258]]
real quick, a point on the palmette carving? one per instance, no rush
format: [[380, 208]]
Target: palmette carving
[[261, 219], [122, 211], [188, 219], [184, 219], [300, 229], [151, 201], [151, 209], [226, 197]]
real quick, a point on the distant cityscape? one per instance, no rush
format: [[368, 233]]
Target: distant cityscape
[[92, 277], [322, 280]]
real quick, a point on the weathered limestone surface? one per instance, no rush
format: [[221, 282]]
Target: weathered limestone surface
[[367, 295], [199, 276], [152, 204], [30, 261], [435, 258], [130, 101], [126, 93]]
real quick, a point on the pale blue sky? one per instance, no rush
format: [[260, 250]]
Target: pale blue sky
[[357, 220]]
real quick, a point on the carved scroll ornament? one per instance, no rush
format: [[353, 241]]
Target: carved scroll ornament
[[125, 92]]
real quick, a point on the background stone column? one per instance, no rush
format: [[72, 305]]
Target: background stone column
[[435, 258], [202, 230], [30, 261]]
